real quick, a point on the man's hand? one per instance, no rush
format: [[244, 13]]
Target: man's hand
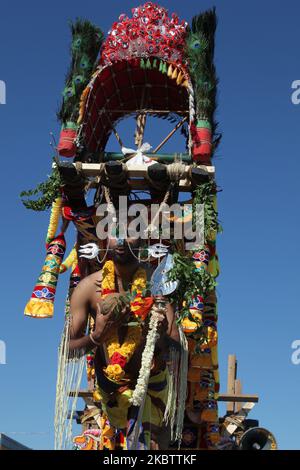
[[104, 322]]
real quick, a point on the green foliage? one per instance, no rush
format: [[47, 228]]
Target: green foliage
[[86, 43], [204, 194], [191, 282], [48, 191]]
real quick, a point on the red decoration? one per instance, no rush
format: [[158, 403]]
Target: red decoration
[[150, 32], [117, 358], [202, 144], [66, 146]]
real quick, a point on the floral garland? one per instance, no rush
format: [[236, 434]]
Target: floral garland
[[119, 355], [147, 358]]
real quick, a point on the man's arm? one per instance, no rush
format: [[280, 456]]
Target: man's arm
[[172, 330], [79, 317], [79, 310]]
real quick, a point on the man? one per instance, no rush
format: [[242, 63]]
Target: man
[[89, 297]]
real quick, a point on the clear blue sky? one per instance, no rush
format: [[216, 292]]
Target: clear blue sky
[[257, 58]]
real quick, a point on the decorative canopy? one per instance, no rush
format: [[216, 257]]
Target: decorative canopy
[[149, 33]]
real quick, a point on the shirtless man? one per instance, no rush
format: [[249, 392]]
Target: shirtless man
[[86, 299]]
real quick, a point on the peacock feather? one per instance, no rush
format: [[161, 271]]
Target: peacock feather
[[86, 42], [200, 48]]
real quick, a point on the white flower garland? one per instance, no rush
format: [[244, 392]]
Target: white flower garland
[[147, 358]]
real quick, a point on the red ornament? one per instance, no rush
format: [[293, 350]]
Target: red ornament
[[67, 146], [117, 358]]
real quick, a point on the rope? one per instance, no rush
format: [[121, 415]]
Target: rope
[[69, 376], [151, 226], [140, 129], [175, 171]]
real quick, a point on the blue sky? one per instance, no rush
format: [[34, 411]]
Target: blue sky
[[257, 58]]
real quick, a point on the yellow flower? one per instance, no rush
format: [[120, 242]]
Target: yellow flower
[[140, 281], [108, 281], [97, 395], [134, 333], [115, 372]]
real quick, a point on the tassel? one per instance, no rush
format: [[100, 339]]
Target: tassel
[[54, 219], [179, 78], [41, 304], [170, 71], [177, 389], [175, 73]]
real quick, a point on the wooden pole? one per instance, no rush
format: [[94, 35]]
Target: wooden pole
[[178, 125], [238, 391], [230, 380]]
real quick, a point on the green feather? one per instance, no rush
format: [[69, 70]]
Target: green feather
[[200, 48], [86, 42]]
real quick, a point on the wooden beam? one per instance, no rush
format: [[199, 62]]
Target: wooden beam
[[230, 380], [227, 397], [137, 175], [231, 423], [238, 391], [139, 170]]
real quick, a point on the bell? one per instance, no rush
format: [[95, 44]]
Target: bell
[[257, 439]]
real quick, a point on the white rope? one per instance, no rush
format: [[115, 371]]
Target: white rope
[[175, 170], [69, 376]]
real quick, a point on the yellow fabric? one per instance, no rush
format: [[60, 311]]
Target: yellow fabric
[[70, 261], [117, 414], [54, 219], [39, 309]]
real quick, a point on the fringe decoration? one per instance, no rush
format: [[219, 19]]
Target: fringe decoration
[[177, 392], [69, 376], [41, 304], [54, 219]]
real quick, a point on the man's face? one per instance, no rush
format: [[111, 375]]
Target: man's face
[[124, 250]]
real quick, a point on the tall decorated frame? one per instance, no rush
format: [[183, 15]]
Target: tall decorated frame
[[150, 64]]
